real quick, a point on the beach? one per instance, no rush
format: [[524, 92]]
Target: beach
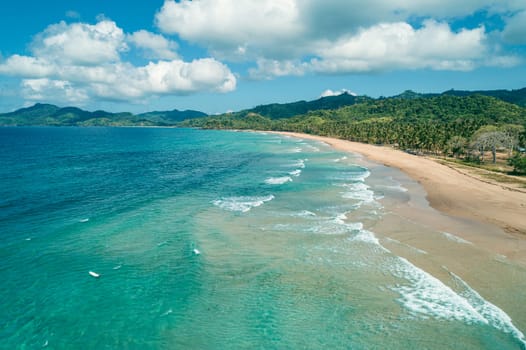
[[487, 220], [448, 190]]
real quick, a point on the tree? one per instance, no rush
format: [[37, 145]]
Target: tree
[[519, 163], [488, 137], [457, 145], [512, 132]]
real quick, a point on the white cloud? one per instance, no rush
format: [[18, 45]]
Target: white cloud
[[515, 31], [329, 92], [46, 89], [77, 62], [233, 28], [392, 46], [80, 43], [155, 46], [293, 37], [267, 69]]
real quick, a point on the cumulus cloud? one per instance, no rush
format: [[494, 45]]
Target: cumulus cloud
[[232, 28], [76, 62], [329, 92], [80, 43], [398, 45], [155, 46]]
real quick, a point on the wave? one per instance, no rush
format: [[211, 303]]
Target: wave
[[337, 160], [397, 188], [296, 172], [242, 204], [429, 297], [454, 238], [304, 214], [494, 316], [299, 164], [355, 176], [359, 191], [278, 180]]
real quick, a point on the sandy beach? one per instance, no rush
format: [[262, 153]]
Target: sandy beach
[[448, 190]]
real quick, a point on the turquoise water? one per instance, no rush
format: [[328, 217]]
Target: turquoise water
[[212, 240]]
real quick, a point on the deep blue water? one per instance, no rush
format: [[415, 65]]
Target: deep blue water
[[211, 240]]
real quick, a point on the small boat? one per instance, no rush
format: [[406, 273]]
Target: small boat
[[196, 251], [94, 274]]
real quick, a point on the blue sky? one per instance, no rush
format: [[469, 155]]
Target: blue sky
[[220, 55]]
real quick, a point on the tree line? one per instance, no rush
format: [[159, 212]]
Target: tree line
[[464, 127]]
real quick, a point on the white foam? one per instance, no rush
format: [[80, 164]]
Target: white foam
[[304, 214], [367, 237], [454, 238], [300, 163], [337, 160], [358, 191], [241, 204], [294, 150], [427, 296], [335, 226], [313, 148], [278, 180], [494, 316], [296, 172], [117, 267], [353, 176]]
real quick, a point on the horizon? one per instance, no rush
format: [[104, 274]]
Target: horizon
[[206, 56]]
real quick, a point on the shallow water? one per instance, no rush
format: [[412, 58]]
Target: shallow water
[[209, 239]]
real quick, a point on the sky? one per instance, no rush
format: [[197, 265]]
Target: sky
[[222, 55]]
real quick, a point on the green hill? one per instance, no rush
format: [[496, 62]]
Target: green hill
[[287, 110], [51, 115]]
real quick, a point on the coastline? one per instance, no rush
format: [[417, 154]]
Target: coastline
[[448, 190], [452, 225]]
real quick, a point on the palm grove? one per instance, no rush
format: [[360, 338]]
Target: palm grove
[[466, 127]]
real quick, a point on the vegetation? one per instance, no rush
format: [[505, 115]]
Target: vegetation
[[51, 115], [462, 127]]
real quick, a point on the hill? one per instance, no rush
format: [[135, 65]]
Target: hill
[[51, 115], [287, 110]]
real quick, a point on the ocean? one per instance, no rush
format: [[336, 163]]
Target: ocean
[[161, 238]]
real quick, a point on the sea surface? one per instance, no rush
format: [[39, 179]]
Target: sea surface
[[153, 238]]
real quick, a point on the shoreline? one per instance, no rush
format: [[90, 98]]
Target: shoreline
[[455, 194], [452, 225], [448, 190]]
